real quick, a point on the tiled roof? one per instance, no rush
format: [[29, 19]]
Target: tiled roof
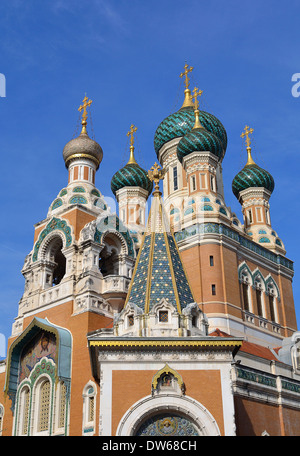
[[159, 271], [250, 347]]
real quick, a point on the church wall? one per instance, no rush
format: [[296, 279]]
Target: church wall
[[205, 387], [231, 281], [291, 422], [78, 219], [192, 263], [286, 291], [130, 386], [253, 418], [5, 401], [223, 274], [127, 388]]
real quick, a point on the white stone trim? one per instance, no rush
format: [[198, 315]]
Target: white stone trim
[[205, 422]]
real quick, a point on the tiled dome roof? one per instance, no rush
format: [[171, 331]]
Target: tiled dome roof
[[181, 122], [132, 175], [199, 139], [252, 176]]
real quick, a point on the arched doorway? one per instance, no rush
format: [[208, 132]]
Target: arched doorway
[[168, 424], [168, 415]]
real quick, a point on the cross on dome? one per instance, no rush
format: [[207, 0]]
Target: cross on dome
[[187, 70], [86, 103], [187, 99], [133, 129], [197, 92], [247, 131]]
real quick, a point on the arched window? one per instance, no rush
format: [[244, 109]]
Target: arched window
[[109, 260], [273, 296], [24, 411], [89, 409], [259, 285], [56, 262], [245, 278], [44, 398], [61, 408]]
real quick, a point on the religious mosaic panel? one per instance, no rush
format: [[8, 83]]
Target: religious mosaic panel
[[166, 424], [42, 345]]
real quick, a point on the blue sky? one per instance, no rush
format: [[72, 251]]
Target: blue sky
[[127, 57]]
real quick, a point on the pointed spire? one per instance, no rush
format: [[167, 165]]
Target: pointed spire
[[86, 103], [246, 133], [197, 93], [132, 130], [159, 271], [187, 93]]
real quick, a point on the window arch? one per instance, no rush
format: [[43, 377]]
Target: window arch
[[109, 259], [246, 281], [182, 406], [89, 409], [260, 288], [272, 293], [23, 410], [43, 403], [55, 268], [61, 406]]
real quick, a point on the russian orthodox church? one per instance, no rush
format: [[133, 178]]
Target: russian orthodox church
[[176, 323]]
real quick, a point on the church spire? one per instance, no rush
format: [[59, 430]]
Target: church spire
[[159, 272]]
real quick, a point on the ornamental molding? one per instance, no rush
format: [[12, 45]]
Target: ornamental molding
[[247, 247], [55, 226], [204, 157], [255, 192]]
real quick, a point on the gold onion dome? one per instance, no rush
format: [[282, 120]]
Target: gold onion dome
[[83, 146]]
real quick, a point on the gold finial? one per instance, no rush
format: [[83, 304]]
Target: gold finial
[[187, 93], [86, 103], [246, 133], [197, 93], [132, 130], [155, 174]]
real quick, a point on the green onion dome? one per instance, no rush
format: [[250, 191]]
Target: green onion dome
[[252, 176], [181, 122], [132, 175], [199, 139]]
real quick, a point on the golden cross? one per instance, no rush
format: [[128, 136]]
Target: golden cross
[[155, 174], [197, 93], [86, 103], [132, 130], [246, 133], [185, 73]]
